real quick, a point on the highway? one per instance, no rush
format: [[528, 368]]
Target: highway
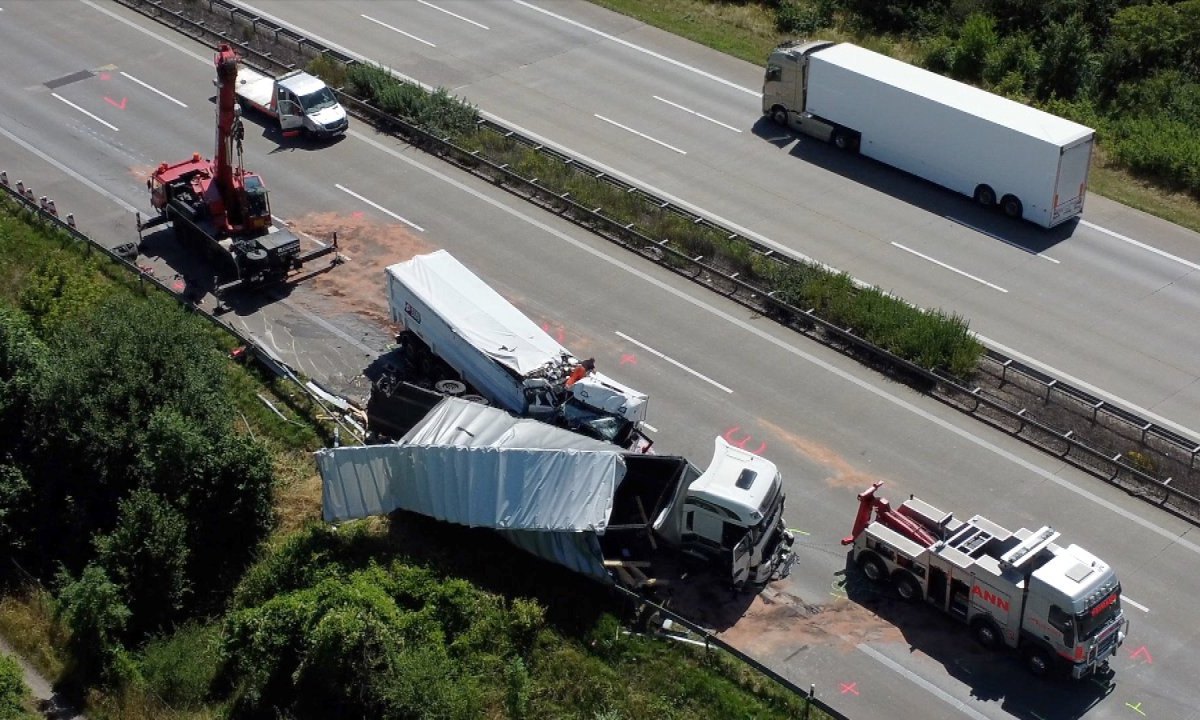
[[1101, 304], [125, 93]]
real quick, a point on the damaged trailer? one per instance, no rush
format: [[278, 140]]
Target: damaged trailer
[[582, 503]]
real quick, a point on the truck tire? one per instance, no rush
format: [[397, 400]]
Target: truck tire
[[843, 139], [779, 115], [907, 586], [1011, 205], [1037, 660], [985, 196], [986, 633], [872, 567]]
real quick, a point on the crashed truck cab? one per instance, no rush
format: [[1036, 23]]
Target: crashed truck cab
[[734, 513]]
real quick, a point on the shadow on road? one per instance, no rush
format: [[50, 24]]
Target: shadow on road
[[913, 190], [993, 676]]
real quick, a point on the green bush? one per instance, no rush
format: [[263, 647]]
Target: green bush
[[92, 609], [180, 668], [14, 694]]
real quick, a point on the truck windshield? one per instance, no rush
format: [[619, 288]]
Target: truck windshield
[[318, 100], [1098, 615]]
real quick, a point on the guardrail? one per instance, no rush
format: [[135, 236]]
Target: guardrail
[[647, 609], [1113, 467], [45, 211]]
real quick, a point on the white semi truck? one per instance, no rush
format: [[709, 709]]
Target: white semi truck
[[1028, 163], [583, 503], [460, 337], [298, 101], [1057, 606]]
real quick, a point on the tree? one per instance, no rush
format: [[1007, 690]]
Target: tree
[[93, 611], [1068, 65], [22, 360], [147, 556]]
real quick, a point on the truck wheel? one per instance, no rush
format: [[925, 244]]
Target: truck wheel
[[1011, 206], [985, 196], [986, 633], [779, 115], [872, 567], [907, 586], [841, 140], [1037, 661]]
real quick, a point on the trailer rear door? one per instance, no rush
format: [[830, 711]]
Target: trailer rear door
[[1071, 186]]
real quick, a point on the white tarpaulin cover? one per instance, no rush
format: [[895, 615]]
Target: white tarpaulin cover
[[478, 466], [476, 312]]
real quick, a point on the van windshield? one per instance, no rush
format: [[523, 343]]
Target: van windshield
[[318, 100]]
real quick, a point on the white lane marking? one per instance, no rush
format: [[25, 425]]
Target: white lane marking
[[787, 347], [651, 53], [699, 115], [397, 30], [379, 207], [1142, 245], [1138, 605], [951, 268], [674, 362], [924, 684], [85, 112], [207, 61], [994, 236], [640, 134], [153, 89], [88, 183], [718, 219], [1083, 385], [454, 14], [649, 427]]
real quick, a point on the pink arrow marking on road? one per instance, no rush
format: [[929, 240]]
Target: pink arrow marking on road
[[1142, 652], [114, 103]]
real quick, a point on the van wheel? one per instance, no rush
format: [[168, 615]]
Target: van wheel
[[986, 633], [985, 196], [1037, 661], [779, 116], [907, 587], [1011, 206], [872, 567]]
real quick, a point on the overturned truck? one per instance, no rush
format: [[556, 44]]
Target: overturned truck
[[617, 516], [462, 338]]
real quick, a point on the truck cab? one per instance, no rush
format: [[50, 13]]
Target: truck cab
[[733, 513], [785, 86]]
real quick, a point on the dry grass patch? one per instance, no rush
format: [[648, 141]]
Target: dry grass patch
[[298, 491], [27, 623]]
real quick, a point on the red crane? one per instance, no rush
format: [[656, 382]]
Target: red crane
[[232, 201]]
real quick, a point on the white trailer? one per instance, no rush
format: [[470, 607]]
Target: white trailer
[[1026, 162], [298, 101], [451, 316], [572, 500]]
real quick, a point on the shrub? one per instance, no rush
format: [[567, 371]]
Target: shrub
[[14, 694], [92, 609], [180, 668]]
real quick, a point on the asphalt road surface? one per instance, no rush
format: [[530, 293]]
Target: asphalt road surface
[[125, 94], [1104, 304]]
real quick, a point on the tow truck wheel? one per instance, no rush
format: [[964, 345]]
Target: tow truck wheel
[[986, 633], [1037, 662], [872, 567], [907, 587]]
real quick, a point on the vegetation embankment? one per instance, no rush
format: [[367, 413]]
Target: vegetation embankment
[[163, 557], [932, 339], [1130, 69]]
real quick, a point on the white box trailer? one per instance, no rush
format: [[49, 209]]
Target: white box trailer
[[502, 354], [1027, 162]]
